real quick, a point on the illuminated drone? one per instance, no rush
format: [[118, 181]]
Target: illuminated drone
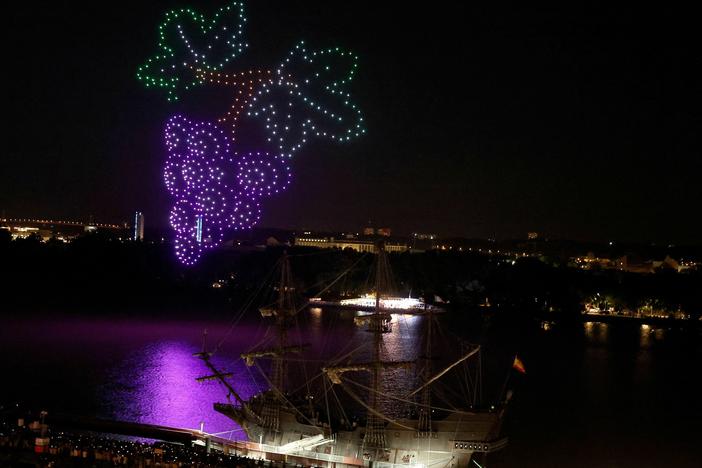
[[214, 186]]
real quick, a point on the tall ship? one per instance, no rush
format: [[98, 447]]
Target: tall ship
[[339, 417]]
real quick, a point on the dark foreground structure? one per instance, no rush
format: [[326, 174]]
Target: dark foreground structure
[[34, 445]]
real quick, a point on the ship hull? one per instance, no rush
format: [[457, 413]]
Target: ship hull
[[452, 443]]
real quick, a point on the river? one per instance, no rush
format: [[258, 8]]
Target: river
[[619, 395]]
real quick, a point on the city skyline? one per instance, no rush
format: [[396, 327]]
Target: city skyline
[[481, 123], [263, 233]]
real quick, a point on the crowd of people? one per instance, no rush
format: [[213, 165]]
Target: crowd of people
[[22, 445]]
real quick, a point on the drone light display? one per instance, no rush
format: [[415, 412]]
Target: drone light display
[[214, 187]]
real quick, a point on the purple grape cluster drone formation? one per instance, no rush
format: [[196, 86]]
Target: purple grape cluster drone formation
[[216, 188]]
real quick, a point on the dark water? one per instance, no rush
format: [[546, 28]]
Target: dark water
[[596, 395], [144, 370], [608, 395]]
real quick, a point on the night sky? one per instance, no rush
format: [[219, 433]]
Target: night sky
[[580, 122]]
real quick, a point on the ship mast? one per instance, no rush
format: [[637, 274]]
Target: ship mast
[[424, 427], [284, 313], [374, 442], [378, 324]]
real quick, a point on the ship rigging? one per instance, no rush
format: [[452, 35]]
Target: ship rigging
[[308, 426]]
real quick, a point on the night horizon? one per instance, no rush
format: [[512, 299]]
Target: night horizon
[[272, 234], [575, 124]]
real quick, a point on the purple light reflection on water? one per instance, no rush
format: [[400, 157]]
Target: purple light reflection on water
[[125, 369], [585, 387], [144, 370], [157, 386]]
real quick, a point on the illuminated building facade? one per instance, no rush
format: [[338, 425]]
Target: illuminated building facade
[[371, 231], [359, 245], [138, 226]]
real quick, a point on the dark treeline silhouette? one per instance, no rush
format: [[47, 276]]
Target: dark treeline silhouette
[[96, 274]]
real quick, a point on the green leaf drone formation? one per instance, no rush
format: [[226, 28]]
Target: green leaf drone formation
[[214, 187]]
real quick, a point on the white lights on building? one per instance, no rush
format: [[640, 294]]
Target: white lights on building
[[400, 303], [138, 226]]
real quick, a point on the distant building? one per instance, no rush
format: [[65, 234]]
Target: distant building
[[385, 232], [359, 245], [632, 263], [667, 263], [423, 241], [198, 228], [591, 261], [138, 226]]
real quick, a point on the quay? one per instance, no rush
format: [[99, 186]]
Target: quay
[[654, 321]]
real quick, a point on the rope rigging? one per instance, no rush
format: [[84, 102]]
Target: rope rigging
[[404, 400], [275, 392]]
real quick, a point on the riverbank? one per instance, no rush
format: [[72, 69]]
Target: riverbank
[[652, 321]]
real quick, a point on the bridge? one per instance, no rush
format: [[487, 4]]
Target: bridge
[[38, 222]]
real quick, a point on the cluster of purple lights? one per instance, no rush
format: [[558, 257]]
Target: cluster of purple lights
[[214, 188]]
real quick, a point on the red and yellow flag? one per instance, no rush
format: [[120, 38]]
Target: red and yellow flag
[[518, 365]]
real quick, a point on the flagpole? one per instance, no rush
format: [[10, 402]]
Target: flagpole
[[509, 374], [504, 386]]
